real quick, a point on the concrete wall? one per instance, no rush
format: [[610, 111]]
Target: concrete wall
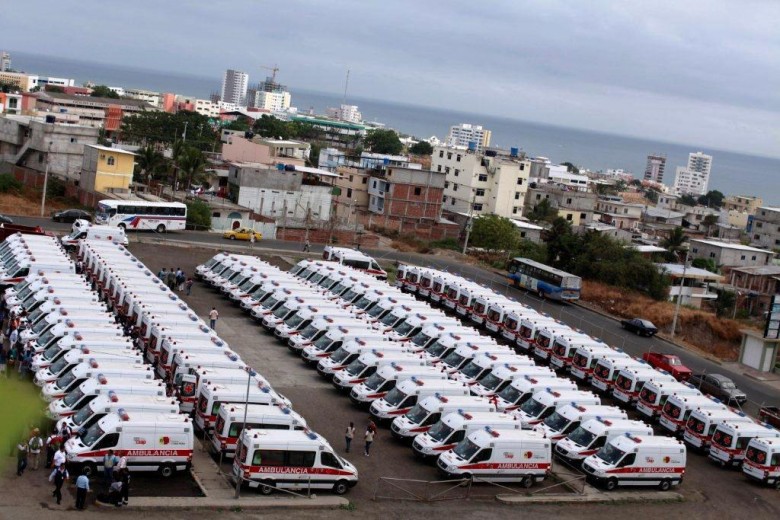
[[729, 257], [272, 203], [264, 177], [239, 149]]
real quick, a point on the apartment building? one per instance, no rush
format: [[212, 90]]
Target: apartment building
[[621, 215], [406, 194], [742, 203], [234, 87], [765, 228], [472, 137], [578, 207], [730, 254], [477, 184], [96, 112], [694, 178]]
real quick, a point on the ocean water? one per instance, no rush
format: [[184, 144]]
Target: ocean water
[[732, 173]]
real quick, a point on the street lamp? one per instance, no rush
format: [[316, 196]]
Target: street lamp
[[45, 179], [240, 478], [679, 295]]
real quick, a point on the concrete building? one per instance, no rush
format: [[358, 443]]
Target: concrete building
[[11, 103], [742, 203], [96, 112], [561, 176], [234, 86], [619, 214], [5, 61], [409, 196], [352, 194], [273, 101], [238, 148], [50, 81], [206, 107], [477, 184], [107, 170], [470, 136], [33, 143], [332, 158], [153, 98], [577, 207], [654, 170], [288, 193], [528, 231], [691, 284], [283, 149], [730, 254], [24, 82], [755, 287], [349, 113], [765, 228], [695, 177]]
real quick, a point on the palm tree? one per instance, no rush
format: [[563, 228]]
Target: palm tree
[[149, 160], [675, 242], [177, 150], [192, 162]]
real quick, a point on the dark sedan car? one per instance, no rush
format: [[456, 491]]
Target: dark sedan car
[[5, 220], [639, 326], [71, 215]]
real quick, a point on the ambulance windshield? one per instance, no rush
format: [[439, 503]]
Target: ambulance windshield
[[610, 454], [557, 422], [582, 437], [471, 370], [417, 414], [420, 339], [73, 397], [510, 394], [93, 435], [466, 449], [440, 431], [532, 408], [82, 415], [395, 397]]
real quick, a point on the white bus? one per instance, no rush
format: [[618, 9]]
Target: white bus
[[140, 214]]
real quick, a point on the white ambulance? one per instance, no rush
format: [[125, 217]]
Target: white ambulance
[[630, 381], [68, 344], [678, 408], [409, 392], [430, 410], [637, 460], [112, 402], [430, 333], [585, 358], [557, 333], [762, 461], [607, 369], [415, 323], [301, 319], [484, 362], [213, 395], [74, 357], [296, 460], [590, 436], [503, 375], [702, 423], [368, 363], [334, 338], [567, 418], [543, 404], [192, 383], [523, 388], [232, 419], [184, 363], [101, 385], [730, 441], [449, 341], [454, 427], [455, 360], [529, 329], [320, 327], [518, 456], [351, 350], [161, 443], [388, 377], [84, 371], [654, 394]]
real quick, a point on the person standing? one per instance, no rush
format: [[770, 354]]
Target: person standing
[[52, 443], [109, 461], [58, 476], [369, 436], [188, 285], [21, 457], [171, 279], [2, 359], [34, 446], [162, 275], [125, 476], [60, 457], [213, 317], [306, 246], [349, 435], [13, 337], [82, 488]]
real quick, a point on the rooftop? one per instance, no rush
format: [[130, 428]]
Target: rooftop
[[98, 100], [109, 148], [676, 271], [730, 245], [642, 248], [525, 225], [759, 270], [662, 213]]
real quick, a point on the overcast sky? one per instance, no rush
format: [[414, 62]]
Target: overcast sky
[[692, 71]]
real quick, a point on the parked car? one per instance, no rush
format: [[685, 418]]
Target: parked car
[[242, 234], [5, 220], [770, 415], [720, 386], [639, 326], [668, 362], [71, 215]]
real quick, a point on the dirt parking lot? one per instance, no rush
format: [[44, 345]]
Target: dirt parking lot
[[709, 491]]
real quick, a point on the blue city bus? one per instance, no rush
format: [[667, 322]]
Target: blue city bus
[[544, 280]]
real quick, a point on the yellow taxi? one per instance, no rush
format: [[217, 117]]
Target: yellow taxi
[[242, 234]]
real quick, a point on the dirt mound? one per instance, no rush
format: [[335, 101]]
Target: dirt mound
[[706, 332]]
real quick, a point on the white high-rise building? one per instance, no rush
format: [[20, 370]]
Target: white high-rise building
[[694, 179], [5, 61], [654, 170], [348, 113], [274, 101], [234, 85], [471, 136]]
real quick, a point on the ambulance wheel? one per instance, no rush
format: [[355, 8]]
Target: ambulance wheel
[[167, 470], [266, 487], [161, 229], [665, 485], [527, 481], [612, 484], [89, 469], [341, 487], [777, 484]]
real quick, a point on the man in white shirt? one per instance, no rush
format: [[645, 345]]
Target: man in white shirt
[[60, 457]]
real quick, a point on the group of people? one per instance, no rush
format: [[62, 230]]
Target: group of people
[[19, 355], [176, 280], [368, 436]]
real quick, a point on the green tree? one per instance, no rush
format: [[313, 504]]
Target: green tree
[[652, 196], [421, 148], [8, 183], [705, 263], [314, 155], [198, 215], [241, 123], [674, 243], [149, 161], [383, 141], [7, 87], [103, 92], [157, 127], [570, 167], [493, 233], [270, 126], [192, 163], [54, 88], [725, 302], [708, 222], [713, 199], [688, 200], [562, 243], [532, 250], [542, 211]]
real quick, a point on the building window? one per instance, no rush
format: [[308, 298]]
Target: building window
[[695, 250], [350, 178], [110, 161], [522, 234], [583, 216], [438, 168], [482, 177], [457, 171], [517, 195], [458, 158], [477, 207], [417, 190], [446, 169], [753, 258], [756, 237], [538, 196], [568, 216], [480, 193], [568, 201], [454, 187], [446, 184], [72, 139], [712, 255], [349, 193], [514, 210], [519, 181], [216, 214], [522, 167], [365, 180], [449, 156], [742, 257], [452, 202], [444, 199], [441, 153], [374, 183]]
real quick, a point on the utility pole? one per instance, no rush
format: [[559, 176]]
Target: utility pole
[[346, 85], [470, 221], [184, 135], [679, 295], [240, 478], [308, 221], [46, 179]]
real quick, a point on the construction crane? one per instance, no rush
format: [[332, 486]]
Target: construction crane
[[274, 69]]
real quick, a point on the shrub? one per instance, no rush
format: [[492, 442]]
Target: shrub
[[198, 215], [9, 183]]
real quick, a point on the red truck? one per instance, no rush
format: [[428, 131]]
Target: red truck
[[770, 415], [7, 230], [669, 363]]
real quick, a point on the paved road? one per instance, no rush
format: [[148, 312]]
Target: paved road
[[591, 322]]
